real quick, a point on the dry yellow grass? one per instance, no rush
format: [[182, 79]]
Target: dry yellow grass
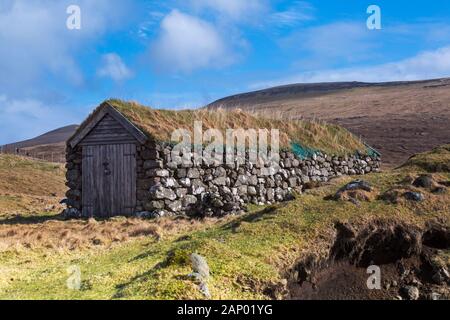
[[29, 186], [57, 235], [22, 175]]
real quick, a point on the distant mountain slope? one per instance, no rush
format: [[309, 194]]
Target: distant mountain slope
[[309, 90], [48, 146], [398, 118], [51, 137]]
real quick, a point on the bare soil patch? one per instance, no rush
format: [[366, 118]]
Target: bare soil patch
[[414, 264]]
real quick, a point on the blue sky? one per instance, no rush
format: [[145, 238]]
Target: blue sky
[[186, 53]]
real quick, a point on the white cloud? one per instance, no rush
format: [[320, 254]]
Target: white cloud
[[425, 65], [299, 12], [146, 28], [114, 68], [35, 42], [235, 9], [187, 43]]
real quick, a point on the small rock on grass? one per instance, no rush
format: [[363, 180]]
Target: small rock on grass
[[201, 273], [439, 190], [355, 191], [356, 185], [71, 213], [414, 196], [435, 296], [411, 292], [200, 266], [424, 181]]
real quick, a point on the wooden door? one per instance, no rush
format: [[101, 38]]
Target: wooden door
[[109, 180]]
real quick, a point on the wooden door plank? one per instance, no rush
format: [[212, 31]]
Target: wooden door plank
[[118, 179], [132, 178], [100, 190], [90, 183], [87, 179]]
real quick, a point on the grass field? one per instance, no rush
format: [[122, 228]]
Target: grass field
[[30, 187], [247, 255]]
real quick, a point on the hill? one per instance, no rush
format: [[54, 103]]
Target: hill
[[49, 146], [397, 118]]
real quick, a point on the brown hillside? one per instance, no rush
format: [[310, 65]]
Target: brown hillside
[[399, 119], [28, 185], [49, 146]]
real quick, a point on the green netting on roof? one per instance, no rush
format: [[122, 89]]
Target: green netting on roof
[[301, 151], [371, 152]]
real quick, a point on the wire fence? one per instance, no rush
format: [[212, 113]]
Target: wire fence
[[57, 157]]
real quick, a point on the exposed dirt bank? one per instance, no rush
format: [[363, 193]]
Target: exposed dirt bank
[[413, 264]]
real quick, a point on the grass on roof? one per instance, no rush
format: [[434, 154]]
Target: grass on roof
[[328, 138]]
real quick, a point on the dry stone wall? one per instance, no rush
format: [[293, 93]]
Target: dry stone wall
[[73, 178], [168, 187]]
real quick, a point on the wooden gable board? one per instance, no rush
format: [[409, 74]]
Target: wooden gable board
[[107, 110]]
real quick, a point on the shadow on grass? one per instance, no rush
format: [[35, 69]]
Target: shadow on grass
[[260, 215], [37, 219], [144, 255], [29, 219], [122, 287]]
